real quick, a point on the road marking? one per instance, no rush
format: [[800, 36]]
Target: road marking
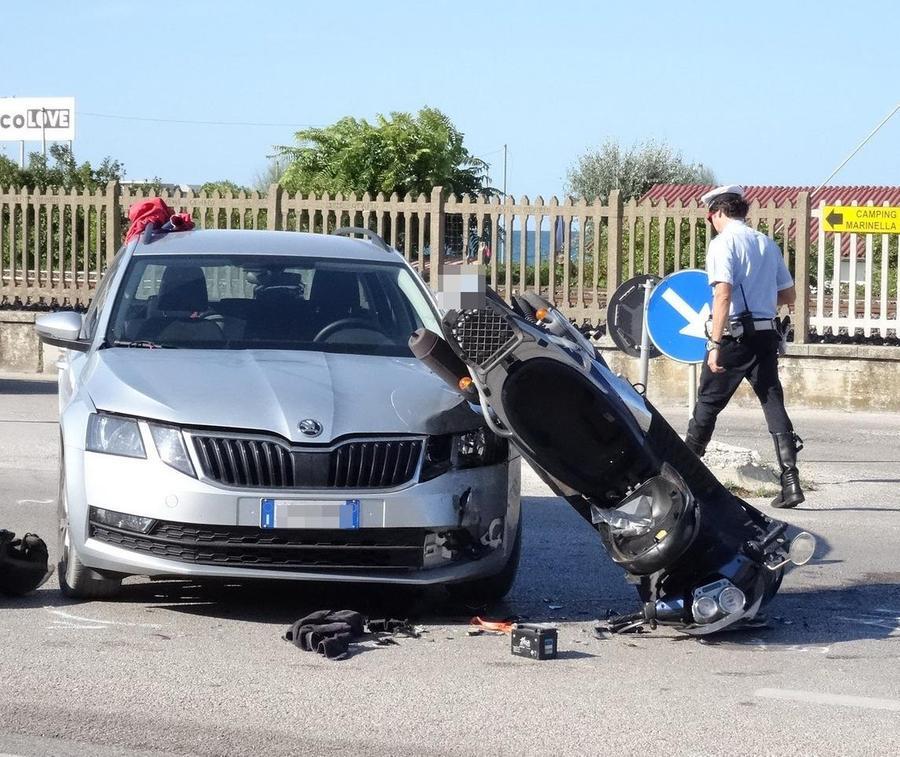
[[840, 700], [876, 622], [762, 646], [35, 501], [79, 626], [105, 623]]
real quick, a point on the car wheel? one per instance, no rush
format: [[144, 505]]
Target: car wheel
[[484, 591], [76, 580]]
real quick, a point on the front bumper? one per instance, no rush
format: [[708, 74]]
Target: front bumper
[[205, 529]]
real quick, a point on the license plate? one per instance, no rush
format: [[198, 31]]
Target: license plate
[[297, 513]]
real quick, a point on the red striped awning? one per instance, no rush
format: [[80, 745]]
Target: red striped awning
[[781, 196]]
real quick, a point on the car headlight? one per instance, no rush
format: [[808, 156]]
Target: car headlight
[[172, 451], [469, 449], [114, 435]]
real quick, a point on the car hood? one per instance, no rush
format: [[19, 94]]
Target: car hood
[[268, 390]]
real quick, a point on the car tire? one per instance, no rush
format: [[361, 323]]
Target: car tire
[[484, 591], [76, 580]]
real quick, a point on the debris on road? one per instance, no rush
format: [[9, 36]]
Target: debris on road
[[498, 626], [23, 563], [535, 641], [330, 633]]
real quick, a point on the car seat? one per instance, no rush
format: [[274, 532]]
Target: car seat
[[176, 313], [334, 295]]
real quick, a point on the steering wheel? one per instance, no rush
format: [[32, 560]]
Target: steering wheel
[[346, 323]]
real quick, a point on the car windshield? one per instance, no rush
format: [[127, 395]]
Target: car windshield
[[234, 302]]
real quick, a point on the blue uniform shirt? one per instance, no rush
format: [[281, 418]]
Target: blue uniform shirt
[[743, 257]]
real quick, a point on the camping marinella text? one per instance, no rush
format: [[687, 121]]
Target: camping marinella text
[[861, 219]]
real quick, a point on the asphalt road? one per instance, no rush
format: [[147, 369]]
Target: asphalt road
[[172, 667]]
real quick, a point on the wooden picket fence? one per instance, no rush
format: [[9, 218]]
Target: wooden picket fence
[[54, 245]]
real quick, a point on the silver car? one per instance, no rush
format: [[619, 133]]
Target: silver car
[[244, 404]]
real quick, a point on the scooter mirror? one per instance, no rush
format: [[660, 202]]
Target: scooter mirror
[[803, 545]]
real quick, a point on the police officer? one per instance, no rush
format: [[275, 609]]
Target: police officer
[[750, 281]]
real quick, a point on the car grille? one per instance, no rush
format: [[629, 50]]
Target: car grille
[[482, 335], [396, 549], [267, 464]]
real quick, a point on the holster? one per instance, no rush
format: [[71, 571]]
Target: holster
[[745, 324]]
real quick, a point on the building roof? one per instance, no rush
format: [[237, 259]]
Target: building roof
[[689, 194], [766, 194]]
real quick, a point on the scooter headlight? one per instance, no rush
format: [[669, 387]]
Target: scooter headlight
[[802, 547], [705, 609], [731, 600]]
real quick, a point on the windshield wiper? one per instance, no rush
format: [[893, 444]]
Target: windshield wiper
[[140, 343]]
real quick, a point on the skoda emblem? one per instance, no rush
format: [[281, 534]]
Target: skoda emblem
[[310, 427]]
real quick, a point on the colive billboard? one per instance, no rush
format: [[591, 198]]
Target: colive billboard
[[32, 119]]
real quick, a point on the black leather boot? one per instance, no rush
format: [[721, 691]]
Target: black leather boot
[[787, 445]]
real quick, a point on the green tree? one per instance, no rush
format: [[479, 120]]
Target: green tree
[[402, 153], [633, 171], [59, 169], [223, 188], [269, 175], [82, 228]]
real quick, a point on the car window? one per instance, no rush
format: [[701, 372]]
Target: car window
[[269, 302], [92, 316]]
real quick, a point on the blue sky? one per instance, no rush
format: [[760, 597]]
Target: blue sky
[[768, 93]]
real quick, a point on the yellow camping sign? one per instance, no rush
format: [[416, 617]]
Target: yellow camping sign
[[861, 219]]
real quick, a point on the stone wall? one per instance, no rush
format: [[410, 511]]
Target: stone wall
[[845, 377], [838, 377]]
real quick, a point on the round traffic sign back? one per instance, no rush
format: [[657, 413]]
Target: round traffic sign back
[[625, 315]]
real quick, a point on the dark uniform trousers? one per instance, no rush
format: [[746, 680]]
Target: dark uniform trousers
[[755, 359]]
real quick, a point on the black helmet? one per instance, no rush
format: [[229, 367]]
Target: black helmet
[[23, 563]]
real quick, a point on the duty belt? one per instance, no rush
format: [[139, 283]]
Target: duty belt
[[760, 324], [764, 324]]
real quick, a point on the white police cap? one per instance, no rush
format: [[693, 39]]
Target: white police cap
[[728, 189]]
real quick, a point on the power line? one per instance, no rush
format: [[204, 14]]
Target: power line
[[191, 121], [488, 152], [858, 148], [777, 225]]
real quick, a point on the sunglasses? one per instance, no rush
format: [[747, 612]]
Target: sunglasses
[[709, 216]]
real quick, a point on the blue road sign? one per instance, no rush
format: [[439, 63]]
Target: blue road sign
[[677, 312]]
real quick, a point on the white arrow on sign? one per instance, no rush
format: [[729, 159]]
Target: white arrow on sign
[[696, 322]]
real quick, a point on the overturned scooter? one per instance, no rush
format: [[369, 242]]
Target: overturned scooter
[[704, 560]]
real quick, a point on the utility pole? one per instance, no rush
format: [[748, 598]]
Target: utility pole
[[503, 226]]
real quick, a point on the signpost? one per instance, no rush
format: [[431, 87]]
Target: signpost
[[861, 219], [37, 119], [677, 312]]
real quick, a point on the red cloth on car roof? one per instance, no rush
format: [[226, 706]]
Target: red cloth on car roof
[[154, 210]]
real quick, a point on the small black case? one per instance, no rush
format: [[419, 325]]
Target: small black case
[[534, 641]]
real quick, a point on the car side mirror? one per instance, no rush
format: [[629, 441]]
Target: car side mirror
[[62, 330]]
